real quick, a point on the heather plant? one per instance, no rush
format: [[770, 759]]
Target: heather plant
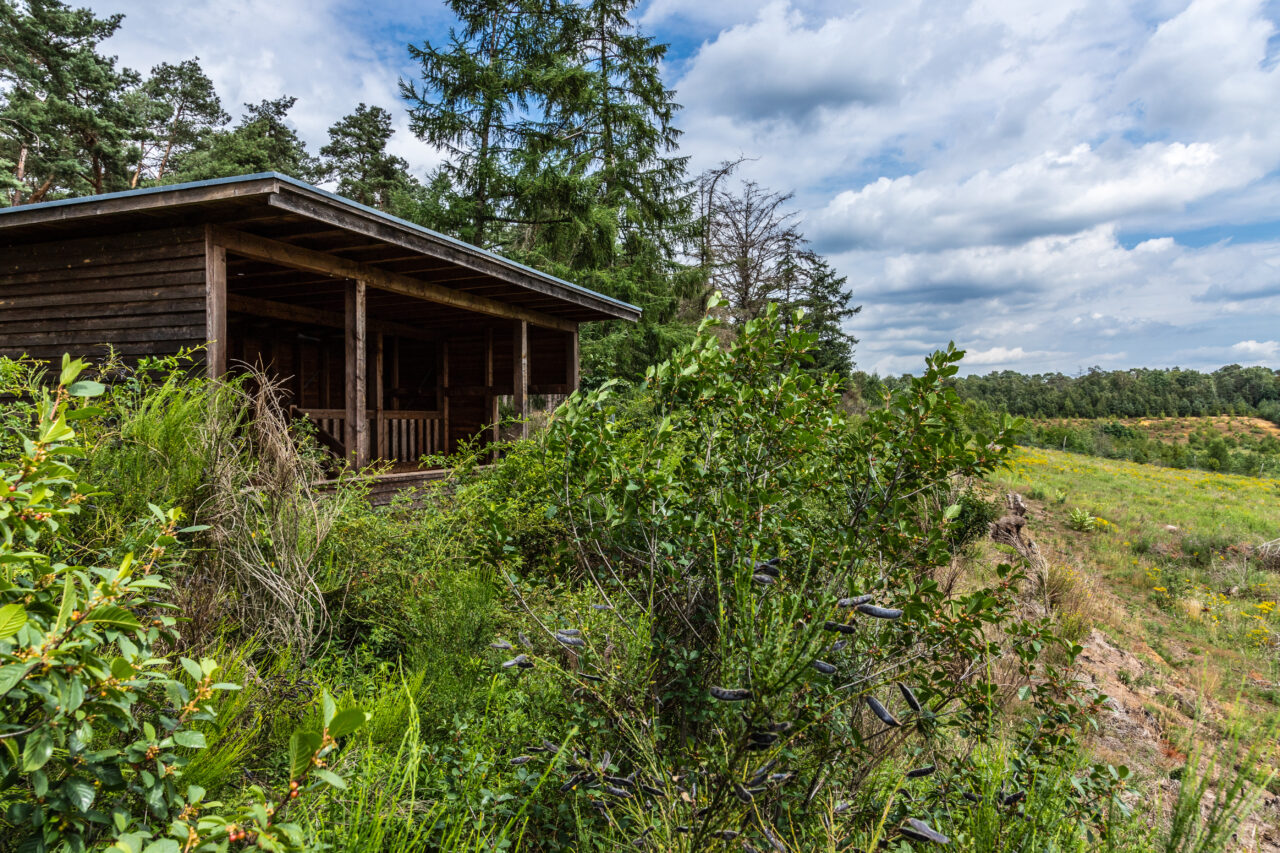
[[767, 628], [96, 724]]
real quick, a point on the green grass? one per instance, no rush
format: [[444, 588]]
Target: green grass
[[1177, 579]]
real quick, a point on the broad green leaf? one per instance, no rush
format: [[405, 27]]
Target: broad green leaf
[[79, 792], [12, 618], [11, 675], [302, 748], [114, 616], [163, 845], [85, 388], [37, 750], [347, 721], [192, 668], [330, 778], [68, 605], [327, 707], [190, 739]]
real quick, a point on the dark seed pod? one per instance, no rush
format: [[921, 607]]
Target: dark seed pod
[[912, 701], [971, 797], [683, 829], [763, 737], [763, 579], [524, 641], [501, 645], [601, 607], [780, 778], [1014, 798], [652, 791], [846, 603], [841, 808], [838, 645], [550, 747], [730, 694], [769, 566], [568, 632], [574, 781], [594, 678], [780, 728], [880, 711], [521, 661], [604, 760], [743, 795], [927, 770], [756, 746], [839, 626], [824, 667], [918, 830], [879, 612], [521, 759], [727, 834], [620, 781], [576, 642], [762, 772], [774, 841], [620, 793]]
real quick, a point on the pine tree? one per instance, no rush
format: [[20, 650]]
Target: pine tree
[[64, 117], [179, 109], [356, 157], [261, 142]]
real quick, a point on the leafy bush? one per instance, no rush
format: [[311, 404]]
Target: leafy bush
[[94, 728], [765, 624]]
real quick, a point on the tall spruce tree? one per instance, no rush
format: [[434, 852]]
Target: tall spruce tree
[[356, 157], [615, 139], [64, 117], [178, 109], [624, 202], [482, 99]]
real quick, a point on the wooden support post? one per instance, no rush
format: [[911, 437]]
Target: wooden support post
[[357, 426], [442, 384], [490, 398], [520, 370], [571, 356], [215, 304], [395, 371], [378, 396]]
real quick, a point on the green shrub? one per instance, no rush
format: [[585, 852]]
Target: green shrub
[[95, 730], [718, 521]]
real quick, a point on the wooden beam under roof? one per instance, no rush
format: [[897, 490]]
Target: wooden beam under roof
[[263, 249]]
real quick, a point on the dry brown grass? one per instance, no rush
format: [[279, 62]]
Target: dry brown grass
[[267, 521]]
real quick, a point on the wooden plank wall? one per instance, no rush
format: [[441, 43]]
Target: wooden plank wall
[[143, 292]]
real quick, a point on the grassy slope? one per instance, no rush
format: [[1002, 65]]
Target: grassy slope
[[1187, 622]]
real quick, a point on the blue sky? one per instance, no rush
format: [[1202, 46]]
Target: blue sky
[[1052, 186]]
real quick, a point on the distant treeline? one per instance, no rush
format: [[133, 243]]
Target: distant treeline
[[1231, 390]]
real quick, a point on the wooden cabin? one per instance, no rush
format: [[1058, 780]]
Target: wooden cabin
[[395, 340]]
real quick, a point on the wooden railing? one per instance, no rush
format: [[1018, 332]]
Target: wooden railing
[[397, 435]]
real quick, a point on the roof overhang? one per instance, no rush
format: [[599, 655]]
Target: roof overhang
[[284, 209]]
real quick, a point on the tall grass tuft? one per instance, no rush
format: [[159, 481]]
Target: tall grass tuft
[[1215, 798]]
